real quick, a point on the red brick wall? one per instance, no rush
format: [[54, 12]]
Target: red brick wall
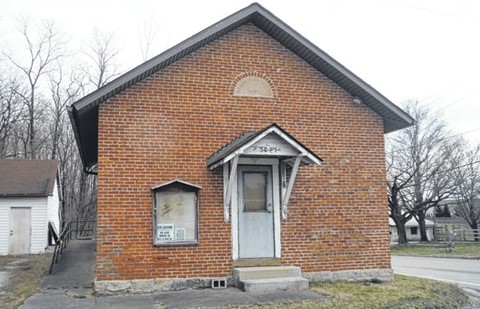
[[165, 127]]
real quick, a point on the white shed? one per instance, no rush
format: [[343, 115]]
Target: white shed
[[29, 202], [412, 228]]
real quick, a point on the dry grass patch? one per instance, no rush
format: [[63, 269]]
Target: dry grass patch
[[437, 249], [404, 293], [24, 275]]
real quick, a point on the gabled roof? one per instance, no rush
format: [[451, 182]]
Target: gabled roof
[[27, 177], [84, 113], [412, 222], [247, 139], [177, 182]]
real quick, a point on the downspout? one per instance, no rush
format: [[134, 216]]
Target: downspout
[[85, 169]]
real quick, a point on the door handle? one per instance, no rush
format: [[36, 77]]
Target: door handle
[[269, 207], [11, 232]]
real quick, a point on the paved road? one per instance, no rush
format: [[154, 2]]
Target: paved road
[[463, 272]]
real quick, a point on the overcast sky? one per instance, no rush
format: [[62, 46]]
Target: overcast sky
[[419, 49]]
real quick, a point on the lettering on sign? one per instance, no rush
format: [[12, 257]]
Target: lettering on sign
[[180, 234], [165, 232], [266, 149]]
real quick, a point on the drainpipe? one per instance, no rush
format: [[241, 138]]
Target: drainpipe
[[85, 169]]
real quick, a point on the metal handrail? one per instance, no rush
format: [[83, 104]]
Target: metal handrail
[[70, 230]]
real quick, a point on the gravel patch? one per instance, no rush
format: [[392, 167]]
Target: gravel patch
[[474, 299]]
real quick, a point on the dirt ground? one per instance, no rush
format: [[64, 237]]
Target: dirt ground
[[20, 276]]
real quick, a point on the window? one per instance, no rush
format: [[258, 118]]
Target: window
[[414, 230], [255, 191], [175, 214]]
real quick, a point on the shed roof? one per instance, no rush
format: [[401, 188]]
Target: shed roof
[[27, 177], [84, 113]]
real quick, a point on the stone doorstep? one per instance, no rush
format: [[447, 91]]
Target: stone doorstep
[[269, 279], [274, 284], [249, 273]]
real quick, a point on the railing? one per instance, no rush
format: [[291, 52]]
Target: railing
[[72, 230]]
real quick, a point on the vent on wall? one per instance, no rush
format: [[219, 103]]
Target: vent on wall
[[219, 283]]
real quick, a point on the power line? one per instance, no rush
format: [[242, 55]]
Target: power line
[[437, 99], [457, 101], [447, 138]]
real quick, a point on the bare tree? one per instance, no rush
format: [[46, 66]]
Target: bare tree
[[33, 118], [396, 201], [44, 49], [419, 159], [11, 108], [63, 92], [146, 36], [468, 188], [81, 191], [102, 54]]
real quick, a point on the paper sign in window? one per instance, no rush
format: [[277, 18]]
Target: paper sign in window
[[165, 232], [175, 209]]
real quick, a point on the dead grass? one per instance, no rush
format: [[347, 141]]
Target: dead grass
[[24, 277], [404, 293], [437, 249]]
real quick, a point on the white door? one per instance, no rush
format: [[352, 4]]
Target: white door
[[255, 212], [20, 230]]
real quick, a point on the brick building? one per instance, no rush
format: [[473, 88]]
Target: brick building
[[244, 145]]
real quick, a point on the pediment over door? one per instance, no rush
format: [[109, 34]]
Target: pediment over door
[[270, 143]]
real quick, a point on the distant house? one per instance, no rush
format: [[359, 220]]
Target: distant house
[[412, 229], [448, 214], [29, 202]]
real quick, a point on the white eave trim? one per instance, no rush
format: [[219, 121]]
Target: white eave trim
[[307, 157], [174, 181]]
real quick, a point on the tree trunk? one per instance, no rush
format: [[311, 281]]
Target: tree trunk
[[31, 127], [423, 228], [400, 225], [402, 233]]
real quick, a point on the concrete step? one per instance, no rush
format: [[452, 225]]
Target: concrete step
[[269, 279], [249, 273], [274, 284]]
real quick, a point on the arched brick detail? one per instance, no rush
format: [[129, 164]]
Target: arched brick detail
[[235, 91]]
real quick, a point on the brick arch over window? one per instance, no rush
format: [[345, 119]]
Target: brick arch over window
[[253, 84]]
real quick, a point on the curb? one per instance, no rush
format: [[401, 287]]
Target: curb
[[461, 257]]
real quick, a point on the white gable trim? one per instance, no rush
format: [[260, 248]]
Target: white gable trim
[[307, 156], [175, 181]]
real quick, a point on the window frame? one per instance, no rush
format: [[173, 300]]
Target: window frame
[[414, 228], [268, 181], [175, 187]]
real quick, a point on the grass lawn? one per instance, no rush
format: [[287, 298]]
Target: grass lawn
[[404, 293], [437, 249]]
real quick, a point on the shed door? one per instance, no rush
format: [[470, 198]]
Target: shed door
[[20, 230], [255, 212]]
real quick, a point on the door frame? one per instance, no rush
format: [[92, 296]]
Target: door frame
[[274, 163]]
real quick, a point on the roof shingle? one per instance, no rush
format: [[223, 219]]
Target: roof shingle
[[27, 177]]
